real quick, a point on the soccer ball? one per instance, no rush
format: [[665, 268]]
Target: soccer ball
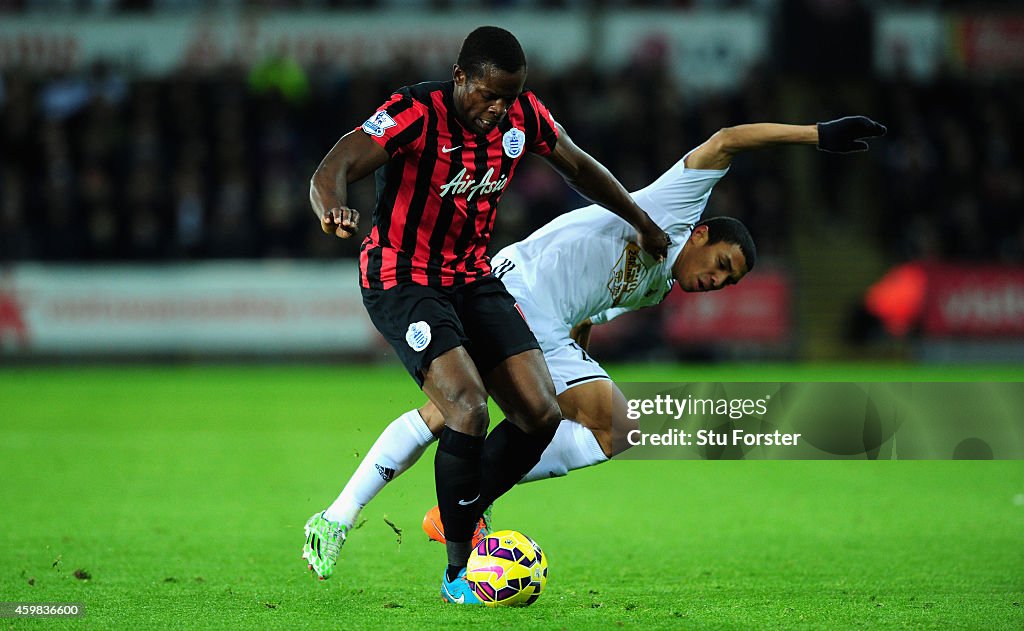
[[507, 569]]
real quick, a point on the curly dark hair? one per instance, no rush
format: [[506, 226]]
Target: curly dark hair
[[491, 46]]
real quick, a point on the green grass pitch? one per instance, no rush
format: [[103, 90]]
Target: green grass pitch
[[181, 493]]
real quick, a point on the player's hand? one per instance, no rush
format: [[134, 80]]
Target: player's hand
[[341, 222], [846, 135], [581, 333], [654, 241]]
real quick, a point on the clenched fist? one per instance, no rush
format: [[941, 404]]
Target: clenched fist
[[341, 222]]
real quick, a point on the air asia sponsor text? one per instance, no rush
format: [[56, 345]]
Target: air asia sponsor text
[[463, 183]]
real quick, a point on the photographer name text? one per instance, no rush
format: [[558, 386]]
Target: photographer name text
[[707, 437]]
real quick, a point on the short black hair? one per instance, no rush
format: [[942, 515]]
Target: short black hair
[[491, 46], [731, 231]]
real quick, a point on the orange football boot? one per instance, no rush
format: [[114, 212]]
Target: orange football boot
[[435, 529]]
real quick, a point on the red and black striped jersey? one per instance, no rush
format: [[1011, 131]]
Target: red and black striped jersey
[[437, 195]]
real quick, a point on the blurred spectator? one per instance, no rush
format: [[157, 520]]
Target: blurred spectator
[[189, 213], [16, 241]]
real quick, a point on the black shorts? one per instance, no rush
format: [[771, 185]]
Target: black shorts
[[421, 323]]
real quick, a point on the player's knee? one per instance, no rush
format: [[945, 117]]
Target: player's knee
[[541, 418], [552, 417], [469, 416]]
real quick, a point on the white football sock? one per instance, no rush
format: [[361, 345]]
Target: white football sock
[[573, 447], [399, 447]]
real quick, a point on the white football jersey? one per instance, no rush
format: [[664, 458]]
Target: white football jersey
[[586, 263]]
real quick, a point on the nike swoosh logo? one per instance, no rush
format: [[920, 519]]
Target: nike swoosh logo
[[497, 569], [465, 503], [447, 149], [460, 600]]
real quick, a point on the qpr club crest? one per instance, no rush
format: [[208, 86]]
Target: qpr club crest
[[376, 124], [514, 141], [418, 336]]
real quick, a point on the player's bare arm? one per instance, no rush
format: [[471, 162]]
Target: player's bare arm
[[351, 159], [592, 180], [844, 135]]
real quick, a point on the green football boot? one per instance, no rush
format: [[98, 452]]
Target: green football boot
[[324, 539]]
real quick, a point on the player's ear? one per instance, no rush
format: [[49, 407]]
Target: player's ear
[[458, 74], [699, 236]]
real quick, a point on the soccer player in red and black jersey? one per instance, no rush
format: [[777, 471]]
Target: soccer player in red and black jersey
[[443, 153]]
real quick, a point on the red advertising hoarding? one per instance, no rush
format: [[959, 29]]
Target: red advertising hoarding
[[973, 301], [990, 43], [757, 310]]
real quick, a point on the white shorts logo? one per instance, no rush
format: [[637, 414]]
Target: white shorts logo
[[514, 141], [418, 336], [376, 124]]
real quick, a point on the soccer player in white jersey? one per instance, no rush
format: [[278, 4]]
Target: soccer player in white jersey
[[585, 268]]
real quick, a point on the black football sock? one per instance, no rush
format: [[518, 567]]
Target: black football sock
[[509, 454], [457, 468]]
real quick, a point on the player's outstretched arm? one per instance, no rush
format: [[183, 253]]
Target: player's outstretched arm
[[592, 180], [351, 159], [844, 135]]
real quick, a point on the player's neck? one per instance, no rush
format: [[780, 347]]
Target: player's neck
[[677, 265]]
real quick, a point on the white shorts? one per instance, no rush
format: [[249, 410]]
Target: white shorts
[[567, 362]]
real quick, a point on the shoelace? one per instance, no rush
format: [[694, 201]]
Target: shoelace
[[335, 541]]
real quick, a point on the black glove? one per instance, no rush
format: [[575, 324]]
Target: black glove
[[844, 135]]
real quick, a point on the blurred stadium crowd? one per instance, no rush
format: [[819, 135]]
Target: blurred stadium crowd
[[116, 6], [101, 167], [953, 182], [105, 166]]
